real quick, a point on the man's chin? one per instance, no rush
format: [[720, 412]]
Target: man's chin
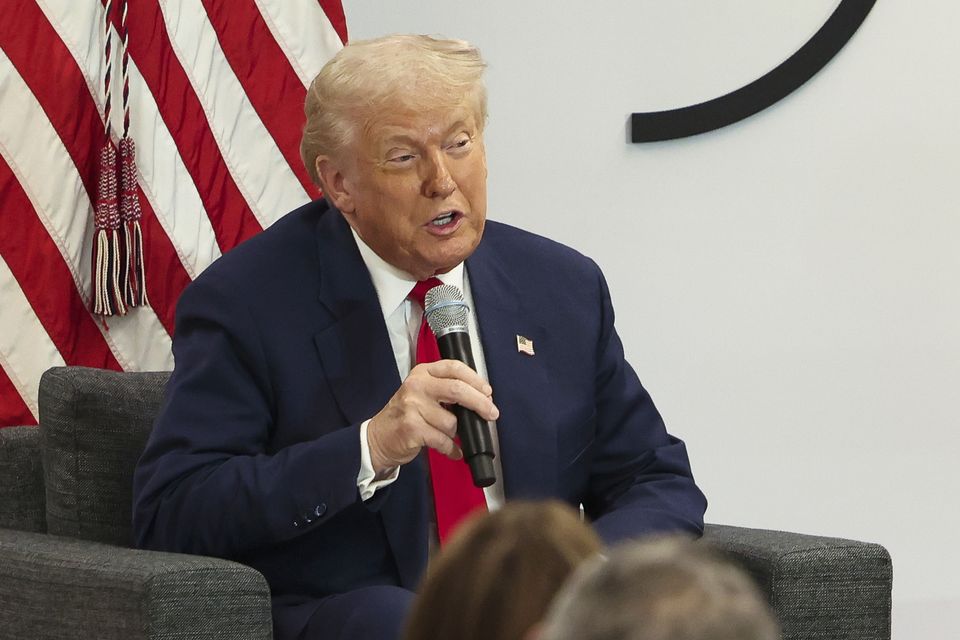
[[445, 266], [449, 260], [443, 270]]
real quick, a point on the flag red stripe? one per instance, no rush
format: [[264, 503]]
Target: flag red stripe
[[334, 11], [181, 110], [57, 83], [263, 70], [47, 283], [13, 410], [61, 89], [166, 277]]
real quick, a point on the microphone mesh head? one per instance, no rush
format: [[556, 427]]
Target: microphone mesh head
[[445, 309]]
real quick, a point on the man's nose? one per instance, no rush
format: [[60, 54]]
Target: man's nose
[[438, 183]]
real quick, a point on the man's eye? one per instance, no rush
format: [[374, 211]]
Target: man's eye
[[460, 143], [406, 157]]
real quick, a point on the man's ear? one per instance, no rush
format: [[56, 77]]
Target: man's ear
[[334, 185]]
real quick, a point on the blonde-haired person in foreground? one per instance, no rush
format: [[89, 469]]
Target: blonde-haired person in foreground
[[499, 573], [661, 589]]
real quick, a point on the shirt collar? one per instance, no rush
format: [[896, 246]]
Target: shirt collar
[[392, 284]]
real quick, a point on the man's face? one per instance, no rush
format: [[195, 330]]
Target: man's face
[[414, 186]]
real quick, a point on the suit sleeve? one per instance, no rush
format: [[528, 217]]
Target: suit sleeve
[[207, 482], [640, 479]]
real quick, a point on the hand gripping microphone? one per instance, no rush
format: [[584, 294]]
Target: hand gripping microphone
[[446, 313]]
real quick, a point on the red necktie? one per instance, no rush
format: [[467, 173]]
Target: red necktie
[[454, 494]]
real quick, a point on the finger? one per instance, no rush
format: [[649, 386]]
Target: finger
[[444, 444], [452, 391], [460, 371], [439, 418], [457, 453]]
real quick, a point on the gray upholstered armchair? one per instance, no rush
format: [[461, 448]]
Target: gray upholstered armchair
[[67, 569]]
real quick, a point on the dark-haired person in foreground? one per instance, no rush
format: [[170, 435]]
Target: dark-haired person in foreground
[[306, 430]]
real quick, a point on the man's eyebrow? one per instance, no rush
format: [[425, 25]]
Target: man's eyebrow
[[459, 124], [398, 138], [406, 138]]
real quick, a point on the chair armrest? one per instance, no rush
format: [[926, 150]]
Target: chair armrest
[[818, 587], [56, 587], [21, 480]]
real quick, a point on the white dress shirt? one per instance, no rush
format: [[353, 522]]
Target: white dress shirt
[[403, 317]]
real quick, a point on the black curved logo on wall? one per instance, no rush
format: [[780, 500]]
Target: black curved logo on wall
[[761, 93]]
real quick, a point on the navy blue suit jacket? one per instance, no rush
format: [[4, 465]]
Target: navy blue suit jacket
[[281, 352]]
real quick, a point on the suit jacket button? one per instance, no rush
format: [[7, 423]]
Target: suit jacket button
[[320, 510]]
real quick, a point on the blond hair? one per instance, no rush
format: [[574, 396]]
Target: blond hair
[[498, 574], [368, 77]]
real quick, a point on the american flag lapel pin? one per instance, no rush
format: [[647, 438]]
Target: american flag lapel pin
[[524, 345]]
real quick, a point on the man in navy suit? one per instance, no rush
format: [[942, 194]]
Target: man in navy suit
[[294, 429]]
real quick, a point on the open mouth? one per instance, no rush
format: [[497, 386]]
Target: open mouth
[[446, 219]]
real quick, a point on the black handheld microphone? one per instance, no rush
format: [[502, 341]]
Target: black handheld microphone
[[446, 313]]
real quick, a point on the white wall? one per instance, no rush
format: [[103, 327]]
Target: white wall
[[786, 287]]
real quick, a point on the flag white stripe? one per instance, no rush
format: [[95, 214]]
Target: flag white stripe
[[80, 27], [47, 174], [164, 178], [250, 152], [143, 339], [304, 32], [26, 350]]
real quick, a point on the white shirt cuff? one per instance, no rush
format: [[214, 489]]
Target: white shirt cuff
[[366, 479]]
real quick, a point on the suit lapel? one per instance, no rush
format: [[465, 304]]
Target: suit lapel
[[354, 347], [358, 360], [528, 444]]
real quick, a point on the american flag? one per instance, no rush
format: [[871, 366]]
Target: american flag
[[525, 345], [216, 91]]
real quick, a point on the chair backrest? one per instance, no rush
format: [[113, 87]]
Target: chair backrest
[[21, 480], [94, 425]]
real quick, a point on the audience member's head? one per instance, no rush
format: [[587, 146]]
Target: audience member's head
[[661, 589], [497, 575]]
